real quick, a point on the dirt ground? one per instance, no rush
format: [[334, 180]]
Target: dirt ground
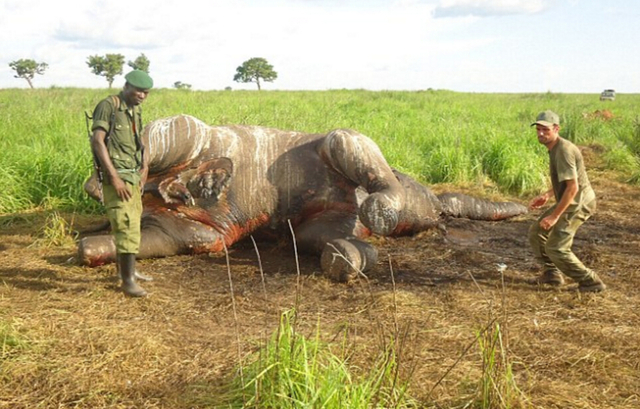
[[72, 340]]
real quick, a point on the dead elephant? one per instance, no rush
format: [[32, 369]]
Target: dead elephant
[[211, 186]]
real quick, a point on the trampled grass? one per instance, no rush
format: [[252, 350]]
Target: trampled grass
[[434, 136], [70, 340]]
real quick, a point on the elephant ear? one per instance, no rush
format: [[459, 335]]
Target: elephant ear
[[210, 179], [173, 191]]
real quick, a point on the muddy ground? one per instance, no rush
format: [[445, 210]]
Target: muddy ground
[[72, 340]]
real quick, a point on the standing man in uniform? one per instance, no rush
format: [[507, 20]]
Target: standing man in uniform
[[551, 236], [118, 149]]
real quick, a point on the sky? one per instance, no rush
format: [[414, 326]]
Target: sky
[[565, 46]]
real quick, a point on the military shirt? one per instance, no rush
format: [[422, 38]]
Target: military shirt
[[565, 163], [123, 143]]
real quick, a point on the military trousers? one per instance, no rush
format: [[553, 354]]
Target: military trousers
[[552, 247], [124, 217]]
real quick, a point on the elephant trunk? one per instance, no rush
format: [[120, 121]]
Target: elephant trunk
[[460, 205]]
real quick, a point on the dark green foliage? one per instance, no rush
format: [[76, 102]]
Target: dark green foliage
[[27, 69], [141, 63], [107, 66], [254, 70], [181, 85]]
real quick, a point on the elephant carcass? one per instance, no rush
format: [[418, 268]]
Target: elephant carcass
[[211, 186]]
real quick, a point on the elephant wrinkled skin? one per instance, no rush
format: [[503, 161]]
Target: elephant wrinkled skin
[[211, 186]]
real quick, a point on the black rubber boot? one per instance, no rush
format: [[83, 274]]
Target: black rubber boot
[[127, 266], [137, 275]]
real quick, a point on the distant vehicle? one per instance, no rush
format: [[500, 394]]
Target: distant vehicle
[[608, 95]]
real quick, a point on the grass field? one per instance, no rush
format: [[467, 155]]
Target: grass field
[[434, 325], [435, 136]]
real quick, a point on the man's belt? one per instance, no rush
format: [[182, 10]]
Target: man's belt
[[127, 170]]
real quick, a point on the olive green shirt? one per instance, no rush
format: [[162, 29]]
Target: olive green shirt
[[123, 142], [565, 163]]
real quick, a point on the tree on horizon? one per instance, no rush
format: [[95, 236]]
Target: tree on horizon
[[255, 69], [141, 63], [107, 66], [181, 85], [27, 69]]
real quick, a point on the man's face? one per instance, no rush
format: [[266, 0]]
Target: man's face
[[134, 95], [547, 135]]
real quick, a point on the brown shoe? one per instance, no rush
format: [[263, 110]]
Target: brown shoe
[[552, 278], [591, 285]]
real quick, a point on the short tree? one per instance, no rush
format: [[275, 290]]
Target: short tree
[[27, 69], [181, 85], [107, 66], [254, 70], [141, 63]]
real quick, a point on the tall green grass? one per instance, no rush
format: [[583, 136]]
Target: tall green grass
[[434, 136], [497, 385], [294, 371]]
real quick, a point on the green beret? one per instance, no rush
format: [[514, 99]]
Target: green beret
[[139, 79]]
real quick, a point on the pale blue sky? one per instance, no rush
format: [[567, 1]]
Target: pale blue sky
[[571, 46]]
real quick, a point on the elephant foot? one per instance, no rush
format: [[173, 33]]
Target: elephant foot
[[343, 259], [96, 250], [379, 213]]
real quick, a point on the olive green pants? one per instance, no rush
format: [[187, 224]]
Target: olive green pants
[[124, 217], [552, 247]]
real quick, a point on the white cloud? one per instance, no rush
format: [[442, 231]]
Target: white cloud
[[486, 8], [323, 44]]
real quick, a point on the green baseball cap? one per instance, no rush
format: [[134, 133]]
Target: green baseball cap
[[547, 118], [139, 79]]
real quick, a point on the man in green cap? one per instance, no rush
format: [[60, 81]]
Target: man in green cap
[[551, 236], [118, 149]]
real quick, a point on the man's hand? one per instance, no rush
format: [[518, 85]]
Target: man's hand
[[121, 189], [548, 222], [538, 201], [567, 196]]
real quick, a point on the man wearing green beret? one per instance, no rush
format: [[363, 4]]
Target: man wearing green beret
[[118, 149], [551, 236]]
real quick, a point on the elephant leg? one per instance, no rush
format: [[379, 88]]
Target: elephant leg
[[101, 249], [161, 236], [359, 159], [332, 236], [97, 250], [343, 259]]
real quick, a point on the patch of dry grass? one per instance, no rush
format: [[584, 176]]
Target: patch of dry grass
[[72, 340]]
